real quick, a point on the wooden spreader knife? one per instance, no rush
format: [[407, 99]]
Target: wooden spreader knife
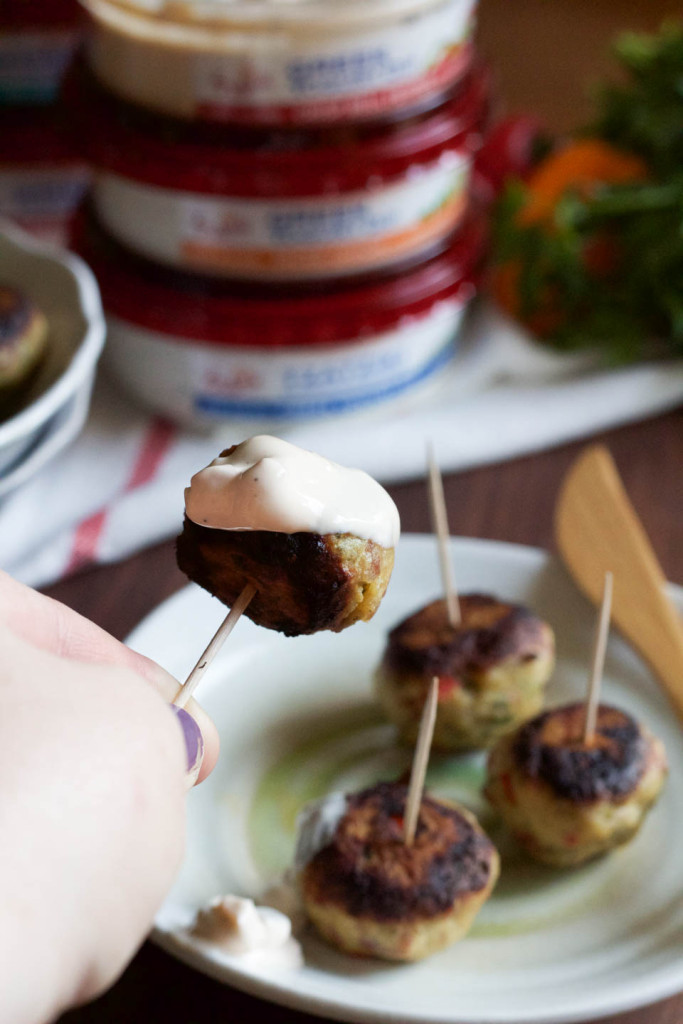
[[597, 530]]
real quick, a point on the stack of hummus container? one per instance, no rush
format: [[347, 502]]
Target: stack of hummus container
[[42, 176], [280, 218]]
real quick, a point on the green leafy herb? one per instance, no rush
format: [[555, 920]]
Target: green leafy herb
[[606, 267]]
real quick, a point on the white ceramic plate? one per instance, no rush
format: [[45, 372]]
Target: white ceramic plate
[[296, 720]]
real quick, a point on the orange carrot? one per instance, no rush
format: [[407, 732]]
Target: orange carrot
[[580, 165]]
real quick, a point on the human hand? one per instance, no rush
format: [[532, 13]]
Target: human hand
[[92, 804], [54, 627]]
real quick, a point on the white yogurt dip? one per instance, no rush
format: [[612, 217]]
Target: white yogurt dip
[[240, 928], [269, 484]]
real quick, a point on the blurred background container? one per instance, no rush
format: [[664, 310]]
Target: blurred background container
[[258, 142], [209, 135], [42, 174]]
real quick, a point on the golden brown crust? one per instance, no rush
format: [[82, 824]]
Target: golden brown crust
[[305, 582], [491, 670], [551, 748], [368, 871], [561, 828], [491, 631]]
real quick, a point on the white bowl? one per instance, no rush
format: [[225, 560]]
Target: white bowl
[[66, 291]]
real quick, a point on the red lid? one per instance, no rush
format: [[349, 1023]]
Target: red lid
[[35, 135], [229, 160], [38, 14], [191, 306]]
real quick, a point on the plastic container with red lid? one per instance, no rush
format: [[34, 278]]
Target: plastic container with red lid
[[274, 63], [201, 351], [279, 205]]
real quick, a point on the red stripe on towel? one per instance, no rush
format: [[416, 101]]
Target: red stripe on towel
[[86, 538], [154, 447]]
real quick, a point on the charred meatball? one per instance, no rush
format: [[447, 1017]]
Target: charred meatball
[[566, 801], [492, 669], [315, 539], [305, 582], [370, 894]]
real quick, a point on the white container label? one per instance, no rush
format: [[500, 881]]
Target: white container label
[[337, 77], [202, 383], [288, 238]]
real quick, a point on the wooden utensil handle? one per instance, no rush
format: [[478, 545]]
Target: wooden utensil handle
[[597, 530]]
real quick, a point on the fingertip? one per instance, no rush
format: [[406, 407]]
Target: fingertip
[[194, 744], [211, 739], [201, 741], [169, 686]]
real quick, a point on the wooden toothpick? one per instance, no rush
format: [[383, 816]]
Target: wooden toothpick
[[437, 503], [420, 760], [220, 636], [598, 662]]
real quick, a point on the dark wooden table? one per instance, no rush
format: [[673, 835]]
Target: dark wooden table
[[510, 502]]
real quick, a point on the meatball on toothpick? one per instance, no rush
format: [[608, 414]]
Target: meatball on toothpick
[[391, 872], [577, 781], [292, 540], [492, 670], [492, 659], [369, 893], [316, 540], [566, 802]]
